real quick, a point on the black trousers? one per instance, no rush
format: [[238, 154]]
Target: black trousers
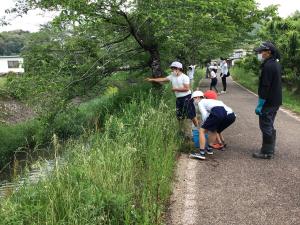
[[224, 83], [213, 84], [185, 108], [266, 120]]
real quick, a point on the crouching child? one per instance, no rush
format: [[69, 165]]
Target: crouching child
[[216, 117]]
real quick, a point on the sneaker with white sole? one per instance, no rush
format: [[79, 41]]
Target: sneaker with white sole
[[223, 92], [200, 155], [209, 151]]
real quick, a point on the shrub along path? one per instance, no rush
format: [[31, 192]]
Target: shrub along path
[[231, 187]]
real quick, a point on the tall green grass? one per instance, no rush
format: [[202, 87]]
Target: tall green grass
[[69, 123], [3, 92], [2, 82], [119, 176], [250, 81], [17, 137]]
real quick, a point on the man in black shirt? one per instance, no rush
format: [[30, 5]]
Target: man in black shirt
[[270, 97]]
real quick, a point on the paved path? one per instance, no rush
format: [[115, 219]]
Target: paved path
[[232, 188]]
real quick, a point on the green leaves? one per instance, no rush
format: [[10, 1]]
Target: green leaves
[[115, 34]]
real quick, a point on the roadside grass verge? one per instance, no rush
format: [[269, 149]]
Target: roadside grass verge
[[250, 81], [119, 176], [245, 78]]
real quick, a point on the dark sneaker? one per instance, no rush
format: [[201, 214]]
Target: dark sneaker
[[209, 151], [200, 155], [259, 155]]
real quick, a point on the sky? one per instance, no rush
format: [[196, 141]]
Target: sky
[[32, 21]]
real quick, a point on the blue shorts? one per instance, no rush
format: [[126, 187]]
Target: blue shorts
[[218, 120]]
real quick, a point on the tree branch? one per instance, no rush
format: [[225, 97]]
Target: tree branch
[[116, 41], [132, 29]]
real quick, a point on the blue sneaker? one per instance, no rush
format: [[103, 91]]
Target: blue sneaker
[[200, 155]]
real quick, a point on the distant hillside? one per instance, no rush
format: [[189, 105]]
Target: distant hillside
[[12, 42]]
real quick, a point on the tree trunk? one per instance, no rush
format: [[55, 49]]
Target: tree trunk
[[155, 63]]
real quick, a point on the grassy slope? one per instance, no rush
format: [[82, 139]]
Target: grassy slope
[[249, 80], [119, 176]]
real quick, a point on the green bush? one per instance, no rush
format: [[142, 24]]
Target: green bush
[[14, 137], [119, 176], [249, 63]]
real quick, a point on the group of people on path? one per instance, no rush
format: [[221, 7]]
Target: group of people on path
[[212, 74], [217, 116]]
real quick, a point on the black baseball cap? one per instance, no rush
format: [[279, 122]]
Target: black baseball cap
[[266, 46]]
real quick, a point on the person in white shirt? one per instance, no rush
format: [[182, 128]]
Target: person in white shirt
[[224, 73], [213, 78], [216, 117], [190, 73], [184, 104]]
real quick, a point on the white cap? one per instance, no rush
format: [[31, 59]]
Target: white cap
[[213, 67], [197, 94], [176, 65]]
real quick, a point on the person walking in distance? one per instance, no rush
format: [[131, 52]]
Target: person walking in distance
[[190, 73], [269, 97], [223, 75], [207, 70], [185, 108], [213, 78]]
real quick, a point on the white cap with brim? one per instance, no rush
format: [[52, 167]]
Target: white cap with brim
[[197, 94], [176, 65]]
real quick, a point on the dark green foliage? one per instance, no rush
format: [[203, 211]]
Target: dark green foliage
[[12, 42], [251, 64], [285, 33]]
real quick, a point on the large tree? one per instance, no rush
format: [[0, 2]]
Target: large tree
[[161, 28]]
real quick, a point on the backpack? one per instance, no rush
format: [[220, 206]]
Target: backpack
[[228, 74]]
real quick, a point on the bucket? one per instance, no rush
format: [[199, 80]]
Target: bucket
[[196, 139]]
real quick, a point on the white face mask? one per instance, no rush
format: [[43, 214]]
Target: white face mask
[[259, 57], [175, 73], [196, 101]]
